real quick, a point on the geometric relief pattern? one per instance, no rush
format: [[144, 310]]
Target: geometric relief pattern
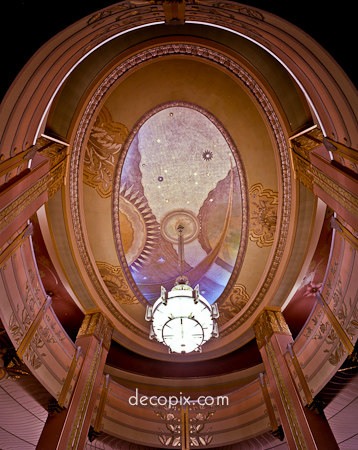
[[139, 203], [102, 151], [263, 215]]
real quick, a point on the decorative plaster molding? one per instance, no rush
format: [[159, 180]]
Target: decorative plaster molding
[[97, 325], [269, 322], [263, 215], [83, 130]]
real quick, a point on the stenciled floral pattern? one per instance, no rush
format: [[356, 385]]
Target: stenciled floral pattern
[[263, 215], [102, 151], [171, 436]]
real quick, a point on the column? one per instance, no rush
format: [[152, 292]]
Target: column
[[303, 428], [68, 428]]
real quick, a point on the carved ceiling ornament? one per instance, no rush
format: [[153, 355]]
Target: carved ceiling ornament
[[233, 304], [77, 154], [102, 151], [263, 215], [114, 278]]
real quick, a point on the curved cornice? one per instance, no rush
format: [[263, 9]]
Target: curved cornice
[[47, 72], [331, 94]]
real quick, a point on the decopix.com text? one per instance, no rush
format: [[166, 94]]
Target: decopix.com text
[[173, 400]]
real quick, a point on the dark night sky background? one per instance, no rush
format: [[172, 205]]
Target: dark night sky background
[[27, 24]]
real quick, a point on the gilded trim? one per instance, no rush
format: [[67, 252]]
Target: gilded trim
[[345, 233], [102, 403], [80, 417], [300, 374], [184, 421], [334, 190], [16, 161], [15, 208], [97, 325], [33, 328], [269, 322], [287, 403], [70, 374], [267, 399], [344, 338], [15, 244]]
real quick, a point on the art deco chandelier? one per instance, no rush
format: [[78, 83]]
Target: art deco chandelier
[[182, 319]]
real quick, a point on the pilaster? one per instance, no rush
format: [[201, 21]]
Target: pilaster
[[69, 428], [302, 429]]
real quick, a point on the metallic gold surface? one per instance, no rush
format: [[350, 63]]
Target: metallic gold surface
[[66, 386], [287, 402], [270, 321], [32, 329], [301, 376], [97, 325], [267, 399]]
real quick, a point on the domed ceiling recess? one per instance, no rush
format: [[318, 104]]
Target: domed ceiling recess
[[179, 124]]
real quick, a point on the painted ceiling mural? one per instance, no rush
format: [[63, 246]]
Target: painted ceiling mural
[[150, 167], [176, 166], [179, 170]]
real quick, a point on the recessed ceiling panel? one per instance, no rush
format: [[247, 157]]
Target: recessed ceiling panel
[[179, 169]]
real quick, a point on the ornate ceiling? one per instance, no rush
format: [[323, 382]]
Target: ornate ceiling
[[160, 122], [172, 127]]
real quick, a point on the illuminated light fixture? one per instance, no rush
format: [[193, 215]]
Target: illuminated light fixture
[[182, 319]]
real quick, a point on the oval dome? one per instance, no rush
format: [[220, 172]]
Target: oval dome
[[178, 168]]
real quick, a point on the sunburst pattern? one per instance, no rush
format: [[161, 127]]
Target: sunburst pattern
[[129, 193]]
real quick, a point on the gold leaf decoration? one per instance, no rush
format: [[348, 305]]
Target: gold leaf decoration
[[263, 215], [114, 279], [102, 151]]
